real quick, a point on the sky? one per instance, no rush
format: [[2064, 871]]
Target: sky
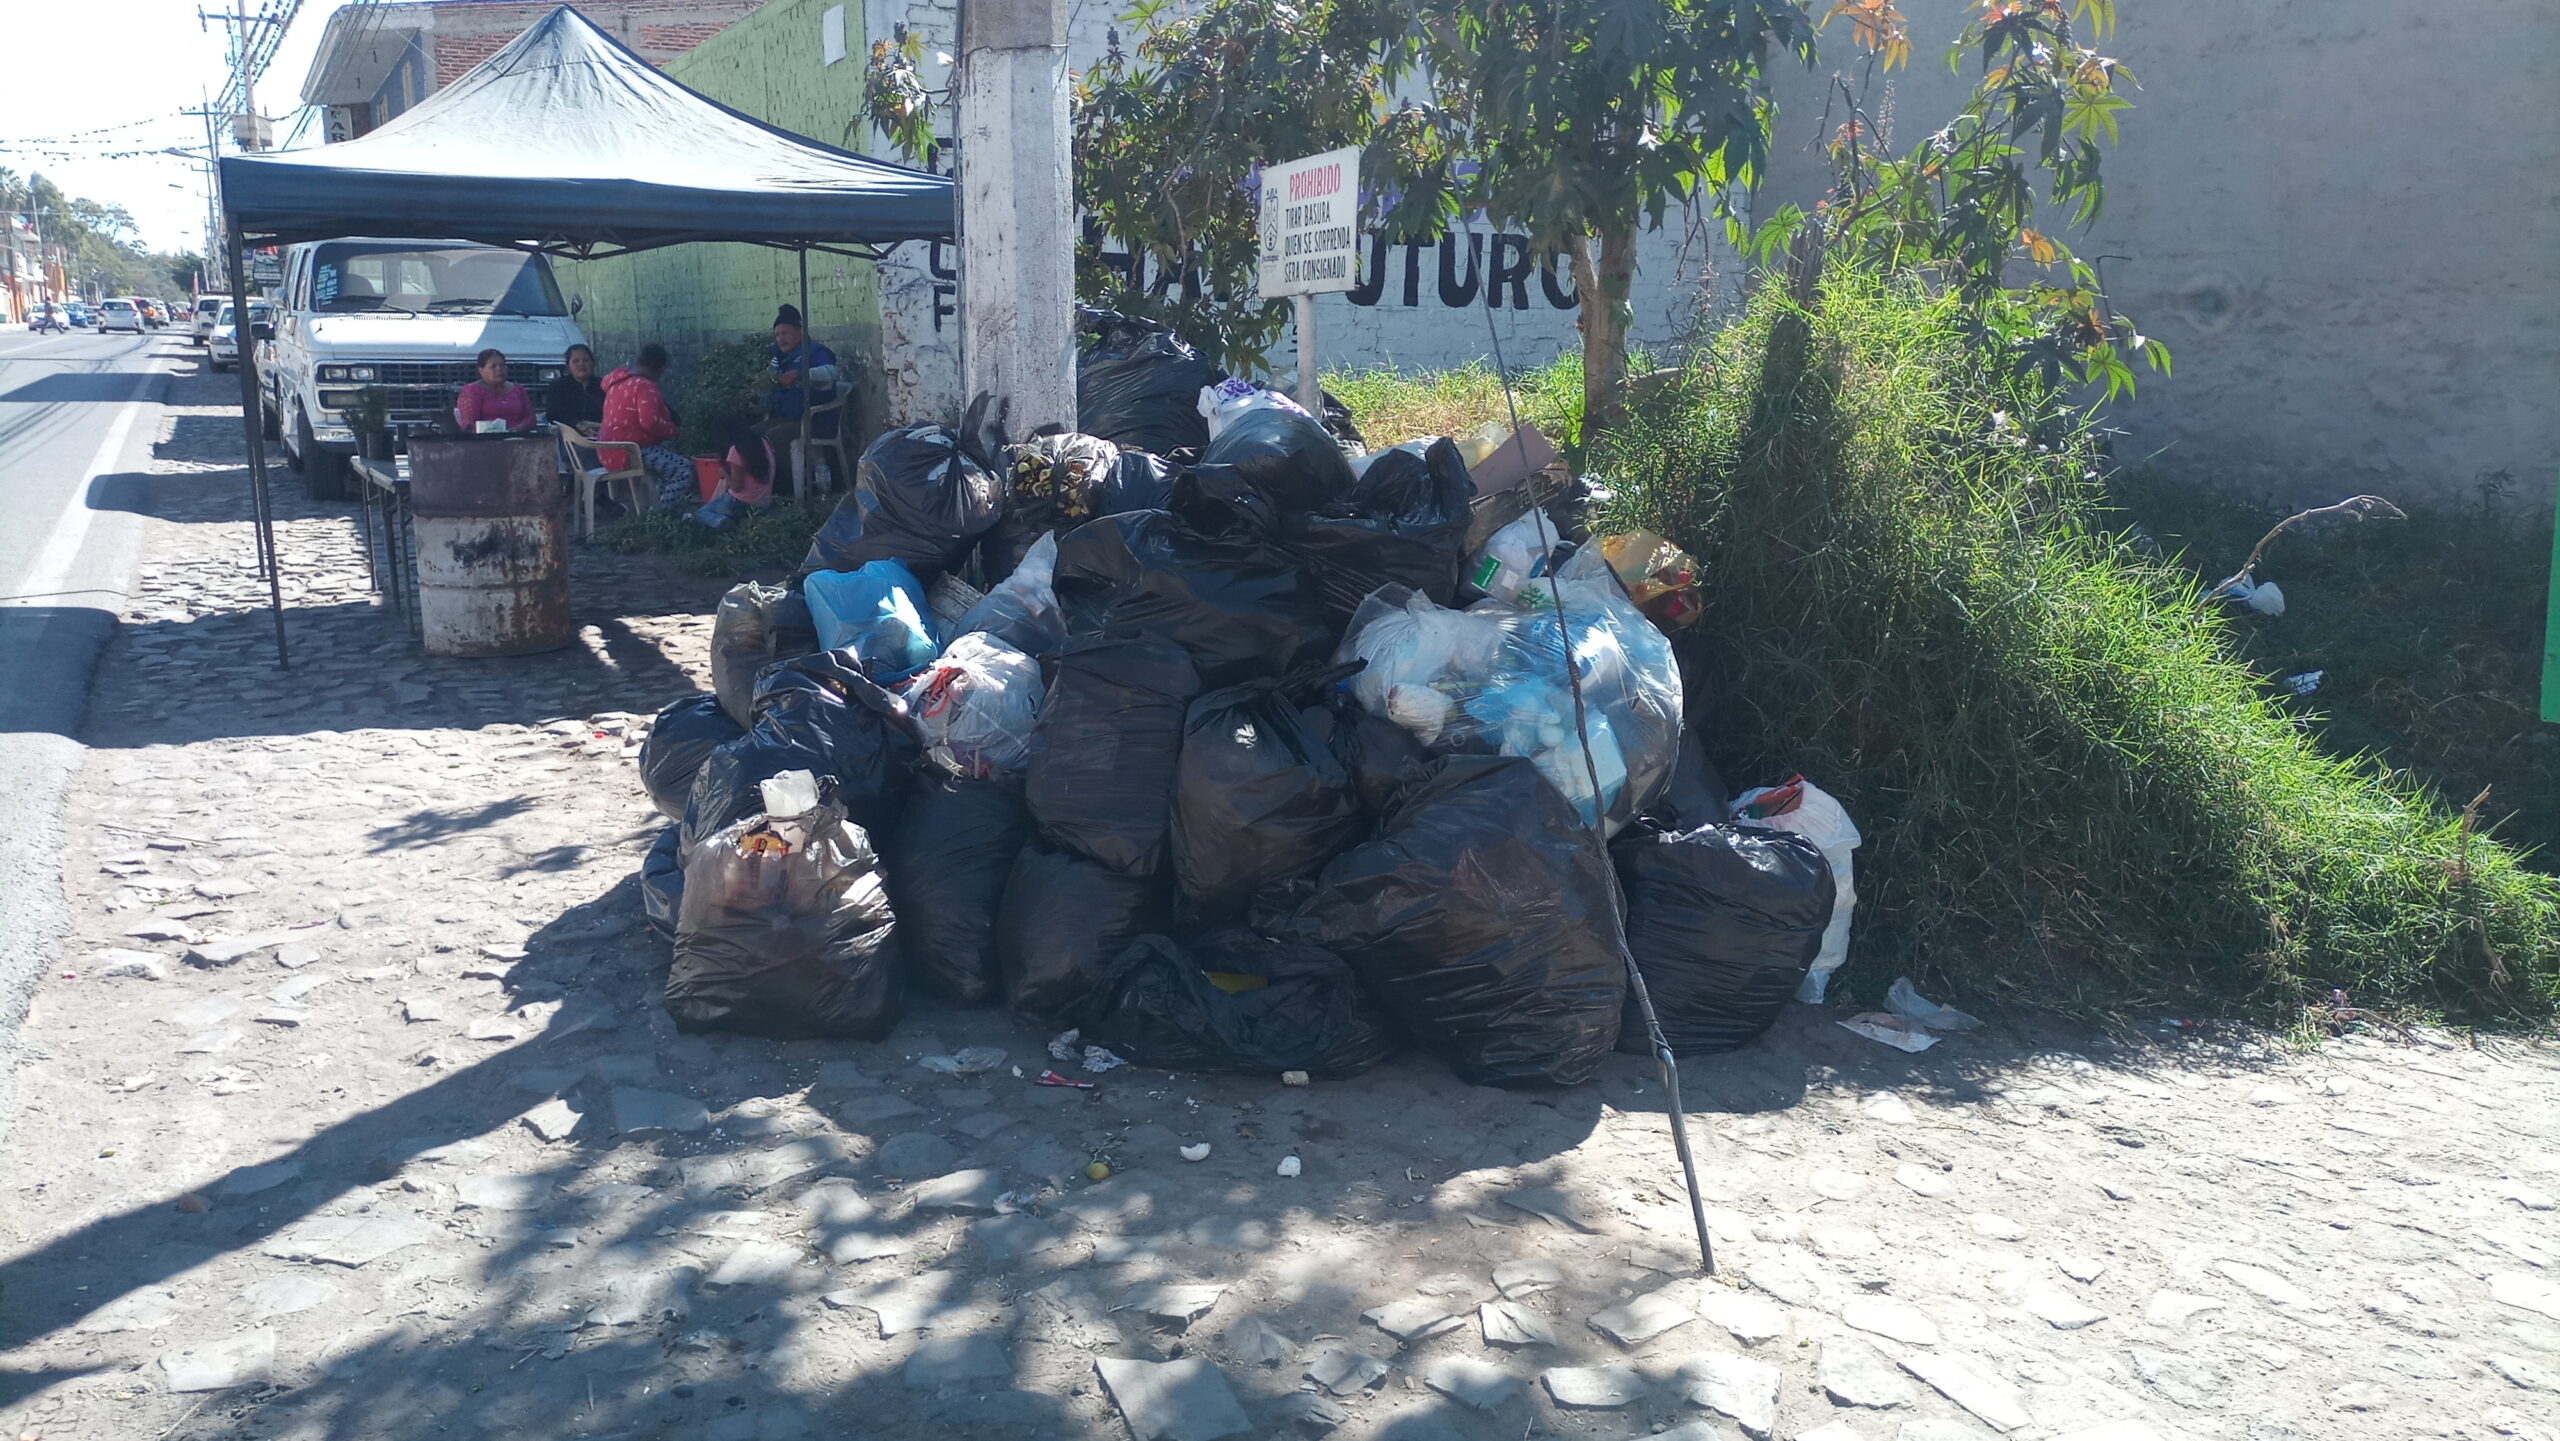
[[65, 115]]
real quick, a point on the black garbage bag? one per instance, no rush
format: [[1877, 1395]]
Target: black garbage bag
[[1724, 921], [1382, 758], [1101, 781], [1695, 795], [1285, 455], [1403, 523], [1259, 796], [816, 713], [947, 861], [662, 881], [1143, 482], [1053, 483], [792, 945], [683, 736], [755, 626], [918, 498], [1138, 385], [1061, 920], [1481, 917], [1236, 602], [1235, 1001]]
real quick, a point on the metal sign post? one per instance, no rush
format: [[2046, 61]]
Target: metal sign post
[[1311, 245]]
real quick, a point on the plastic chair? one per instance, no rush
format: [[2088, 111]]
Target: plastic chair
[[590, 471], [840, 468]]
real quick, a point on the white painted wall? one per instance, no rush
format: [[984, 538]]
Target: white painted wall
[[1424, 325]]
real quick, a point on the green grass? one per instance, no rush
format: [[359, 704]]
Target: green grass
[[2076, 789], [1392, 407], [757, 545], [2429, 633]]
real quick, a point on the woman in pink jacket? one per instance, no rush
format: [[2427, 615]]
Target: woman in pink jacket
[[493, 397]]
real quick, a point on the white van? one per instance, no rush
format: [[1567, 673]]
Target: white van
[[410, 316]]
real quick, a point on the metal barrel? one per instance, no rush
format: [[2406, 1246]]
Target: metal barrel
[[491, 526]]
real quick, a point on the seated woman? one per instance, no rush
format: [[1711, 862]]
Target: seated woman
[[746, 482], [493, 397], [576, 397], [636, 414]]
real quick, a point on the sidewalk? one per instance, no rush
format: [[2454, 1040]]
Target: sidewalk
[[416, 1154]]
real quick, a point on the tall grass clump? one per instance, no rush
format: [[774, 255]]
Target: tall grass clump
[[2073, 794]]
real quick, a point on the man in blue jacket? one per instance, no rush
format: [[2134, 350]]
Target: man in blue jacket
[[804, 378]]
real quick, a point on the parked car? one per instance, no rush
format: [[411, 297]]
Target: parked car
[[207, 308], [409, 316], [120, 313], [81, 317], [222, 340]]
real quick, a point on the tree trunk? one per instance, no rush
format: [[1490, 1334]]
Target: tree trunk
[[1604, 289]]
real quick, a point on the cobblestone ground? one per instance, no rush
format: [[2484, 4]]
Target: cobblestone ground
[[425, 1159]]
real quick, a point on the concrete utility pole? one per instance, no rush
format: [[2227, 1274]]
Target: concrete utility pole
[[1017, 212]]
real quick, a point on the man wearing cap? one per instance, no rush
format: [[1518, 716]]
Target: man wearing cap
[[804, 376]]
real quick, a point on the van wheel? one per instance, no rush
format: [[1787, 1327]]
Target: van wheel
[[269, 426], [324, 472]]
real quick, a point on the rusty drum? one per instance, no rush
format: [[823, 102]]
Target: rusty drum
[[491, 524]]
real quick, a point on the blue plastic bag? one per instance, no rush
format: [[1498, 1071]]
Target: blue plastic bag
[[879, 613]]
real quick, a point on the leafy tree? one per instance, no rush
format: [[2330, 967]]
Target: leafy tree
[[1987, 191], [1577, 122], [1574, 121]]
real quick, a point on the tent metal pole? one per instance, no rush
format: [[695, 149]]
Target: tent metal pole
[[244, 344], [803, 464]]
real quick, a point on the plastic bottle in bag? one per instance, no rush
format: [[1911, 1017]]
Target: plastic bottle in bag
[[1816, 816]]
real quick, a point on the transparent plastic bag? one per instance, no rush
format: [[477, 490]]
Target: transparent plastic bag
[[976, 706], [1495, 675], [1022, 609]]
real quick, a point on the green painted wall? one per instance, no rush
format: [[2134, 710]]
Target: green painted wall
[[769, 65]]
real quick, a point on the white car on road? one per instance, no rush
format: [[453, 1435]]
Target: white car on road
[[222, 345], [207, 308], [119, 314]]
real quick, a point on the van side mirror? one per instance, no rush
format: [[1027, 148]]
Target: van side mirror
[[261, 330], [576, 303]]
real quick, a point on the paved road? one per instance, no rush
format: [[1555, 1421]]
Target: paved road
[[78, 415]]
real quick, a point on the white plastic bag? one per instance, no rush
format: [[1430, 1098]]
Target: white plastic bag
[[976, 706], [1825, 822], [1222, 403], [1513, 556]]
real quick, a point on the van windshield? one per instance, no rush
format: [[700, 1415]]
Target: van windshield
[[432, 280]]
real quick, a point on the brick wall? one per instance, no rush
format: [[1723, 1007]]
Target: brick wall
[[661, 30], [456, 54]]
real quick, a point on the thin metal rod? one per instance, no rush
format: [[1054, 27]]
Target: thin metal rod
[[1643, 994], [803, 463], [244, 347]]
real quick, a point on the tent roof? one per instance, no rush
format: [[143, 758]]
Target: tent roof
[[567, 139]]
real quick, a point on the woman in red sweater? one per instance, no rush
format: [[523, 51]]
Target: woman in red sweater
[[493, 397], [636, 414]]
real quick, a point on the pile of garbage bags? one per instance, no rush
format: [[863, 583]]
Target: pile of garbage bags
[[1208, 735]]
